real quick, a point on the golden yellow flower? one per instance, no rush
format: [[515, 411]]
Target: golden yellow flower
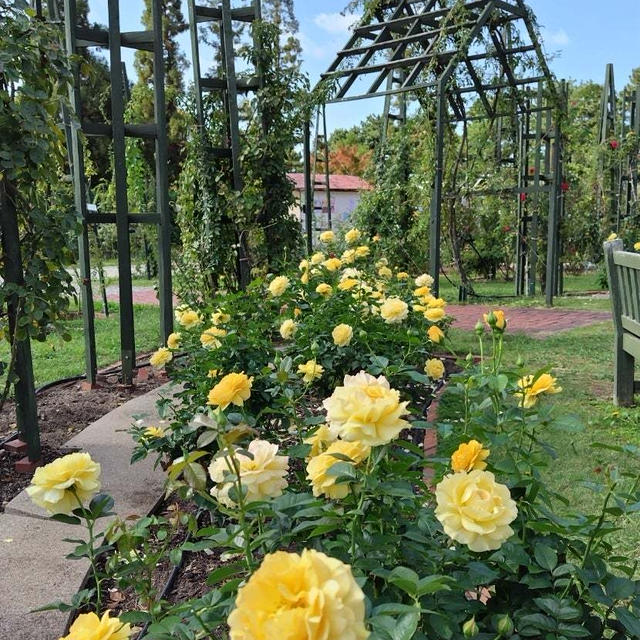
[[419, 308], [612, 236], [420, 292], [424, 280], [435, 303], [352, 236], [469, 456], [160, 358], [636, 246], [475, 510], [173, 341], [377, 295], [318, 467], [376, 238], [332, 264], [383, 262], [434, 368], [87, 626], [304, 278], [402, 275], [153, 432], [324, 289], [311, 371], [365, 408], [59, 485], [219, 317], [327, 237], [288, 328], [278, 286], [297, 312], [342, 335], [262, 475], [307, 596], [362, 251], [434, 314], [347, 283], [317, 258], [234, 388], [348, 256], [320, 440], [530, 389], [496, 319], [385, 272], [435, 334], [209, 338], [394, 310], [189, 319], [213, 373]]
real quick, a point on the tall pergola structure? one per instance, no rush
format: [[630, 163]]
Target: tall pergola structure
[[453, 55]]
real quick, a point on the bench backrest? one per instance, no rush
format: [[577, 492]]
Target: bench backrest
[[623, 269]]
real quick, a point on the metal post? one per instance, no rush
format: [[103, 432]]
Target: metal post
[[308, 195], [327, 173], [195, 50], [533, 242], [436, 199]]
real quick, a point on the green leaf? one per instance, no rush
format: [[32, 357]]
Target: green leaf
[[405, 578], [406, 626], [66, 519], [545, 556], [629, 621]]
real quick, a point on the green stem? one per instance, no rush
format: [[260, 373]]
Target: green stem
[[91, 550]]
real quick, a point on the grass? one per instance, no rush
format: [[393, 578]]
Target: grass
[[56, 359], [583, 362]]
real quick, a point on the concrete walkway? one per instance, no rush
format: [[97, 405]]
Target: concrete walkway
[[33, 568]]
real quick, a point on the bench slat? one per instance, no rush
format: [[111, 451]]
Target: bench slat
[[627, 259], [631, 325], [631, 345]]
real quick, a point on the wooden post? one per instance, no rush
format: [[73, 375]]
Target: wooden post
[[436, 199]]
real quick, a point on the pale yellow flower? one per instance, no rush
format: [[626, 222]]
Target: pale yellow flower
[[59, 485], [297, 312], [636, 246], [278, 286], [324, 483], [173, 341], [402, 275], [219, 317], [424, 280], [311, 371], [304, 265], [209, 338], [234, 388], [153, 432], [420, 292], [394, 310], [287, 329], [213, 373], [365, 408], [348, 256], [435, 303], [352, 236], [434, 368], [263, 475], [88, 626], [161, 357], [362, 251], [307, 596], [530, 389], [327, 237], [320, 440], [347, 283], [612, 237], [190, 318], [332, 264], [475, 510], [376, 238], [342, 335], [435, 314], [435, 334], [469, 456], [317, 258], [385, 272], [383, 262], [304, 278], [324, 289]]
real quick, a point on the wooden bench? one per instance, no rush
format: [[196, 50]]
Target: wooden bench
[[623, 270]]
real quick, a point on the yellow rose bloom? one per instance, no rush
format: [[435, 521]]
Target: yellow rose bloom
[[362, 251], [278, 286], [87, 626], [307, 596], [317, 258], [530, 389], [383, 262], [288, 328], [469, 456], [402, 275], [262, 476], [434, 314], [297, 312], [376, 238], [189, 319], [234, 388], [352, 236], [419, 308], [59, 485], [612, 237], [324, 289], [347, 283], [365, 408], [377, 295], [424, 280], [420, 292], [348, 256], [320, 441], [219, 317], [332, 264], [636, 246], [435, 334], [322, 482], [385, 272], [209, 338], [496, 319], [153, 432], [213, 373], [327, 237], [394, 310], [160, 358], [434, 368], [311, 371], [342, 335], [435, 303], [304, 278], [475, 510], [173, 341]]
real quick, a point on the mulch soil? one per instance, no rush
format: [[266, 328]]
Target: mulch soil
[[63, 411]]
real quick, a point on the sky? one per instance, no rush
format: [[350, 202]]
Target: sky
[[580, 38]]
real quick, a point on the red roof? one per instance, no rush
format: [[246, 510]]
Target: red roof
[[337, 182]]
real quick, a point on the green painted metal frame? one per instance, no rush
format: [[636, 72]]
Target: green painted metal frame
[[114, 39]]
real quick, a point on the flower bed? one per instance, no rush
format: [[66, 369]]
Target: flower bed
[[299, 458]]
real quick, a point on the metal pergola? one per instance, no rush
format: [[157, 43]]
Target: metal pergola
[[453, 55]]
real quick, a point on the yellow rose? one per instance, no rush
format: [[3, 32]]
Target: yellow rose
[[366, 409], [332, 264], [352, 236], [278, 286], [435, 334], [419, 308], [435, 303], [307, 596], [190, 318], [219, 317], [288, 328], [59, 485], [342, 335], [376, 238], [262, 475], [385, 272], [311, 371], [362, 251], [213, 373], [317, 258], [612, 237], [209, 339], [320, 440], [160, 358], [377, 295], [348, 256], [424, 280], [394, 310], [153, 432], [434, 368], [421, 292], [297, 312], [324, 289], [323, 482], [234, 388], [402, 275], [87, 626], [496, 320], [636, 246], [469, 456], [434, 314], [383, 262], [304, 278], [173, 341], [347, 283], [530, 389], [475, 510], [327, 237]]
